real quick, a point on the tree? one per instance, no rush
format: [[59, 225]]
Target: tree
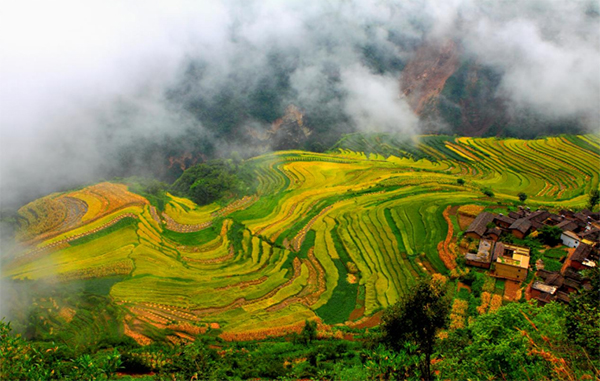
[[460, 181], [522, 197], [416, 319], [583, 315], [594, 198], [309, 332], [550, 235], [488, 192]]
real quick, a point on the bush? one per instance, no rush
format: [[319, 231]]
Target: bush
[[550, 235], [552, 264]]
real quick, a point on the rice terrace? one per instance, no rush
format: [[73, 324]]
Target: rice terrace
[[332, 237]]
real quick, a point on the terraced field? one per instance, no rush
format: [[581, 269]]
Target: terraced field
[[334, 237]]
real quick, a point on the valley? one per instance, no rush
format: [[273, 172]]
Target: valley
[[331, 237]]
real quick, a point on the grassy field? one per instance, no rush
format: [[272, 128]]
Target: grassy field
[[333, 237]]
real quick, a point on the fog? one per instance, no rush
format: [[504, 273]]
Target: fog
[[84, 82]]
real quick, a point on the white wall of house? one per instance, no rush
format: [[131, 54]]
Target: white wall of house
[[569, 241]]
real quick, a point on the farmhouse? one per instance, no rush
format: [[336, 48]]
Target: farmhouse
[[570, 239], [479, 226], [567, 225], [503, 221], [579, 230], [484, 256], [512, 261], [582, 257], [520, 228]]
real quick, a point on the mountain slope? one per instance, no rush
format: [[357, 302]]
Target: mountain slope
[[333, 237]]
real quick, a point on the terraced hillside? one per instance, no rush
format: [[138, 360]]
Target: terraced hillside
[[334, 237]]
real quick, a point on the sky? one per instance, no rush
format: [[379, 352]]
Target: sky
[[83, 80]]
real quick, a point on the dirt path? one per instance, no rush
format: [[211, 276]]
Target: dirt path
[[446, 255]]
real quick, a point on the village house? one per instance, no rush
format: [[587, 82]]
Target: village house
[[520, 228], [570, 239], [512, 261], [550, 288], [479, 226], [582, 257], [567, 225], [484, 256], [503, 221], [580, 230]]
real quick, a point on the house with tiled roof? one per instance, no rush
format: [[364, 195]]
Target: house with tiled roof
[[479, 226], [520, 228]]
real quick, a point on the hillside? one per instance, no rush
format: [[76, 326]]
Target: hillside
[[331, 237]]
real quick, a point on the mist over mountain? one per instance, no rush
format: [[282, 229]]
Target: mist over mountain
[[103, 89]]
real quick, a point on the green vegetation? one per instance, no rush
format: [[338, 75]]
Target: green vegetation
[[522, 196], [416, 320], [208, 182], [594, 198], [516, 341], [287, 237], [550, 235]]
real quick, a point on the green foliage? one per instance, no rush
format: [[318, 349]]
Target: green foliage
[[594, 198], [475, 280], [552, 264], [309, 332], [208, 182], [550, 235], [488, 192], [460, 181], [522, 196], [583, 315], [21, 360], [519, 341], [192, 361], [416, 319], [401, 364], [153, 190], [555, 253]]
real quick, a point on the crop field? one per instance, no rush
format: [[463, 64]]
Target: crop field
[[333, 237]]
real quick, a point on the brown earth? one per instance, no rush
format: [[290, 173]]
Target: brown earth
[[425, 75], [512, 290]]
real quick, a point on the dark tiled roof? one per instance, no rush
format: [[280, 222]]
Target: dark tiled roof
[[544, 274], [567, 225], [581, 252], [545, 297], [551, 278], [505, 219], [572, 283], [496, 231], [538, 216], [593, 234], [536, 225], [555, 279], [581, 217], [563, 296], [522, 225], [555, 217], [479, 225], [516, 215], [498, 250], [573, 274], [566, 213]]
